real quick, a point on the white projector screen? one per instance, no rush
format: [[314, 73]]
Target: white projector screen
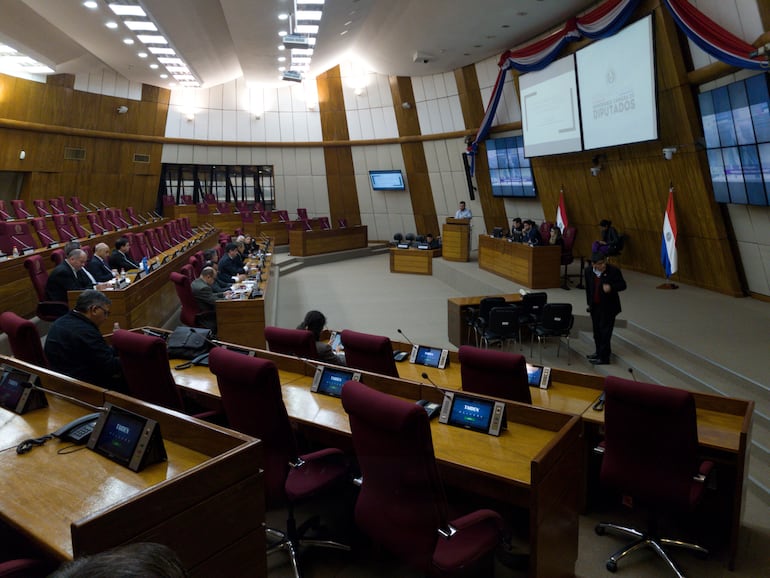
[[616, 77], [549, 109]]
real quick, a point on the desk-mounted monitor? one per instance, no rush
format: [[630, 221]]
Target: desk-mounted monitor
[[471, 412], [538, 376], [429, 356], [127, 438], [389, 180], [329, 380]]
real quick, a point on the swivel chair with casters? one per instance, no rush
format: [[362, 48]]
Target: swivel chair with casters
[[494, 373], [402, 505], [251, 397], [556, 321], [294, 342], [372, 353], [651, 455], [23, 338]]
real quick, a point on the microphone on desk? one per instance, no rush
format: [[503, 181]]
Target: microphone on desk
[[22, 243], [156, 214], [429, 380], [70, 236], [92, 206], [631, 371], [405, 337], [73, 209], [103, 205]]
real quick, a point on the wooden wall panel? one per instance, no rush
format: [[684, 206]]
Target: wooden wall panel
[[473, 112], [340, 172], [413, 153], [43, 119]]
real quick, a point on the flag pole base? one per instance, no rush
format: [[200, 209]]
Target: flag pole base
[[668, 286]]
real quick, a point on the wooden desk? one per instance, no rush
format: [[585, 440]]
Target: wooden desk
[[456, 239], [16, 291], [243, 321], [533, 464], [415, 261], [179, 211], [305, 243], [533, 267], [152, 299], [457, 308], [279, 230], [82, 503]]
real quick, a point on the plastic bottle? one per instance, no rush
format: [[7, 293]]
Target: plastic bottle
[[15, 251], [115, 326], [122, 274]]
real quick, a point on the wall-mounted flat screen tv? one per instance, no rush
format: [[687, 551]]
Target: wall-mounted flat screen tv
[[509, 170], [390, 180]]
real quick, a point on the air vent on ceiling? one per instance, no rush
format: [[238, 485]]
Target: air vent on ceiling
[[74, 154], [139, 158]]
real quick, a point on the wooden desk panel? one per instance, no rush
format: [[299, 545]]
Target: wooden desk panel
[[415, 261], [456, 239], [533, 267], [279, 230], [307, 243], [80, 502], [179, 211]]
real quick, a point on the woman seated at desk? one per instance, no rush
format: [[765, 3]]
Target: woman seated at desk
[[315, 321]]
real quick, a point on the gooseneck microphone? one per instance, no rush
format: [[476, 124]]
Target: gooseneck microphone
[[429, 380], [631, 371], [405, 337], [20, 242]]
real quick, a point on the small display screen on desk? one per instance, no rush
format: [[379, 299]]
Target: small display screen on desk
[[472, 414], [534, 373], [120, 435], [332, 381], [12, 387], [429, 356]]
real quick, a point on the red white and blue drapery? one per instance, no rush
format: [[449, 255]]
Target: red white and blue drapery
[[603, 21]]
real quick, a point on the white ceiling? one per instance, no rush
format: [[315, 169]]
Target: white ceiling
[[222, 40]]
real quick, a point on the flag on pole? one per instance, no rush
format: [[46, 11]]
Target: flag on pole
[[561, 213], [668, 246]]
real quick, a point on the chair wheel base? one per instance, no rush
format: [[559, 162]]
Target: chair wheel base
[[600, 530], [612, 566]]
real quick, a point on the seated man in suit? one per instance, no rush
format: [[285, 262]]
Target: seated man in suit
[[530, 234], [207, 298], [230, 266], [119, 259], [432, 242], [68, 276], [74, 345], [98, 266]]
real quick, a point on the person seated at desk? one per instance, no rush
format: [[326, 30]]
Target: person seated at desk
[[517, 229], [137, 559], [206, 297], [216, 287], [315, 321], [69, 275], [555, 237], [432, 242], [230, 266], [250, 244], [75, 347], [608, 244], [462, 212], [119, 259], [530, 234], [99, 266]]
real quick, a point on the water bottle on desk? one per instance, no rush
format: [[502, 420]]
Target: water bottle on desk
[[15, 251], [144, 263]]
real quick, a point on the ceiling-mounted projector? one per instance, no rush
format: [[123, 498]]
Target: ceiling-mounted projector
[[295, 41], [292, 76]]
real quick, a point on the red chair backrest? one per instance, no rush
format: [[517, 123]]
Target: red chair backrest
[[16, 234], [41, 207], [294, 342], [37, 274], [494, 373], [302, 214], [369, 352], [23, 338], [57, 256], [77, 204], [188, 271], [203, 208], [224, 207], [20, 209], [189, 305], [187, 200], [96, 225], [195, 264], [324, 221], [168, 200], [77, 227]]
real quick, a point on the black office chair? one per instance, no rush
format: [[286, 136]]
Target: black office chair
[[398, 237], [556, 321], [502, 327], [482, 319]]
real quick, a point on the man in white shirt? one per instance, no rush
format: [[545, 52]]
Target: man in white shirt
[[462, 212]]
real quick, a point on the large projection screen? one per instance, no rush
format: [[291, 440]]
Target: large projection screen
[[549, 109], [616, 77]]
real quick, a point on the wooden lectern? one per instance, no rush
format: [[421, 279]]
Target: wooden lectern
[[456, 239]]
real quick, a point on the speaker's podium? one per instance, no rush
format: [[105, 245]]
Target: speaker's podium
[[456, 239]]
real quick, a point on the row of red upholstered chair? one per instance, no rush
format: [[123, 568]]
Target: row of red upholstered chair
[[43, 208]]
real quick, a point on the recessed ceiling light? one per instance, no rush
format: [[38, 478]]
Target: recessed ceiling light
[[128, 41], [90, 4], [343, 33], [127, 10], [111, 24], [139, 25], [161, 50], [281, 47], [152, 39], [281, 59], [164, 75], [283, 16], [281, 68], [282, 33], [142, 54], [153, 66]]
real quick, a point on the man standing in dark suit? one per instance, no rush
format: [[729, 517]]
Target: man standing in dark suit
[[98, 265], [119, 259], [68, 276], [603, 283]]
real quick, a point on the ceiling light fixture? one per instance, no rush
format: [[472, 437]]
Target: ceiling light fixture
[[90, 4], [127, 10], [111, 25]]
